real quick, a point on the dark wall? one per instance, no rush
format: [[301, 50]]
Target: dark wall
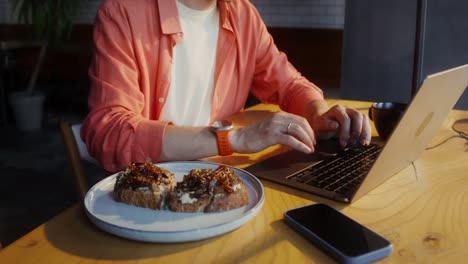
[[379, 46], [378, 50], [446, 38], [316, 53]]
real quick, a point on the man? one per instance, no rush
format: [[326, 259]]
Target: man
[[164, 70]]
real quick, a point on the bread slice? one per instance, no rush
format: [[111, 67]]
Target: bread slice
[[144, 185], [192, 194], [230, 194], [207, 190]]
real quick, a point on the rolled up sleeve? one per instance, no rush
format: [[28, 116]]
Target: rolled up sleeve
[[277, 81], [115, 131]]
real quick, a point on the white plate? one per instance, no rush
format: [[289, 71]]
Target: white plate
[[149, 225]]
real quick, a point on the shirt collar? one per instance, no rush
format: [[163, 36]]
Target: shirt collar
[[224, 11], [169, 16]]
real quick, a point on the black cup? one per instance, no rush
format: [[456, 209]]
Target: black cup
[[386, 116]]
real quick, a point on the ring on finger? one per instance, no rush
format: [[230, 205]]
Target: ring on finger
[[287, 128]]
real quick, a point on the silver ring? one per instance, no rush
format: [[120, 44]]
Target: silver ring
[[287, 129]]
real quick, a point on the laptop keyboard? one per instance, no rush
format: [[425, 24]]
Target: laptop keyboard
[[342, 172]]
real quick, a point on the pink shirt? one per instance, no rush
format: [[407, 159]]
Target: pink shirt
[[130, 75]]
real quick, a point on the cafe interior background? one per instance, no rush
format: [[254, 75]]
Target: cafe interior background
[[36, 181]]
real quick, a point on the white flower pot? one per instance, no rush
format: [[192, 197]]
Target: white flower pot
[[27, 109]]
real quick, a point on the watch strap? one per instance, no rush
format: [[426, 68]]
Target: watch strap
[[224, 146]]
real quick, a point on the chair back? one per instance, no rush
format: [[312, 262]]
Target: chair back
[[82, 149], [76, 152]]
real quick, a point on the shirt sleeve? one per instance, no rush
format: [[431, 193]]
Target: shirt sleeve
[[115, 131], [276, 80]]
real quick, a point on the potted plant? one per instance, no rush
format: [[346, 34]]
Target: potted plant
[[51, 22]]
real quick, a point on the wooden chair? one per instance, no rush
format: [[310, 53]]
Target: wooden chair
[[77, 152]]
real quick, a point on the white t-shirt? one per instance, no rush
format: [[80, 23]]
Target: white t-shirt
[[190, 94]]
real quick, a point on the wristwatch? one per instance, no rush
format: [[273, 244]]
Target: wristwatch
[[221, 130]]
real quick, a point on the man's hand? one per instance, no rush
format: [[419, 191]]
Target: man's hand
[[349, 125], [320, 122], [279, 128]]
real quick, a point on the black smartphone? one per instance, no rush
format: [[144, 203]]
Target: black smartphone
[[341, 237]]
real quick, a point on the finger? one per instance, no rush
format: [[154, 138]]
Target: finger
[[299, 126], [366, 133], [356, 128], [303, 127], [343, 119], [298, 131], [360, 130], [294, 143], [325, 127], [307, 129]]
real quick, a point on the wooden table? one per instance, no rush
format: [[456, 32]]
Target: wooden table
[[423, 210]]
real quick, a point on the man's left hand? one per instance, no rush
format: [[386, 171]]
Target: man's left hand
[[350, 126]]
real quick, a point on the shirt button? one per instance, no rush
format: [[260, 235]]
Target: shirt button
[[161, 100], [148, 160]]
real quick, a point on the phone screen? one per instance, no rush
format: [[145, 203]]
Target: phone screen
[[338, 230]]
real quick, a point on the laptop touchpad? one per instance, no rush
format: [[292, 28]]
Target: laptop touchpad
[[286, 163]]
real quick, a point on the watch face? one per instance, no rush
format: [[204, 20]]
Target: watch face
[[222, 125]]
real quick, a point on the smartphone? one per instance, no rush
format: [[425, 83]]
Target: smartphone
[[341, 237]]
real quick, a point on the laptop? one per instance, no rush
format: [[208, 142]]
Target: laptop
[[344, 176]]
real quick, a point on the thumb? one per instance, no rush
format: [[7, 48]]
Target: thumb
[[327, 124], [326, 128]]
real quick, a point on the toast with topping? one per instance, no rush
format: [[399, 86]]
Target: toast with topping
[[145, 185], [208, 190]]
